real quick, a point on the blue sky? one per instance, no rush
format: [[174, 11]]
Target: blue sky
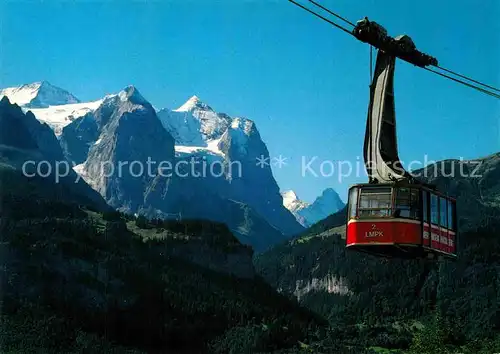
[[302, 81]]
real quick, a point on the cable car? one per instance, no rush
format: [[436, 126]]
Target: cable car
[[402, 221], [394, 214]]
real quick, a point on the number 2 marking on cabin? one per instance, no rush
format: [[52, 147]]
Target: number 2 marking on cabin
[[374, 233]]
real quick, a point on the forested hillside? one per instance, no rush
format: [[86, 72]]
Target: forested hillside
[[76, 280]]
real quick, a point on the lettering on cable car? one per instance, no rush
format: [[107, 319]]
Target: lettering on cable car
[[374, 232]]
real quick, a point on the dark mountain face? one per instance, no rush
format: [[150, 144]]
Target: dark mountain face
[[132, 144], [77, 138], [32, 159], [13, 132], [255, 184], [250, 227], [354, 289], [25, 131], [208, 198]]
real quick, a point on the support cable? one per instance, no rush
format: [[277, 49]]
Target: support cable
[[321, 17], [332, 13], [465, 83]]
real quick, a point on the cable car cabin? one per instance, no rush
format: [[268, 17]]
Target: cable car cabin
[[410, 221]]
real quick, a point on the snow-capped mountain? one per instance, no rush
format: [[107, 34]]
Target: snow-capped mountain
[[194, 124], [212, 124], [307, 214], [38, 95], [50, 104], [235, 142], [292, 202], [125, 128]]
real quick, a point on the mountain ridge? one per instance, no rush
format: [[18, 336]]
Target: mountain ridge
[[91, 133]]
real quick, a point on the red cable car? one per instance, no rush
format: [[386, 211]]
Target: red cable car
[[394, 214], [402, 221]]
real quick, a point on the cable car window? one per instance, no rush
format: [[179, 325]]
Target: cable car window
[[451, 215], [443, 213], [415, 204], [407, 203], [353, 202], [434, 209], [375, 202], [403, 197], [425, 205]]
